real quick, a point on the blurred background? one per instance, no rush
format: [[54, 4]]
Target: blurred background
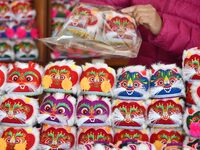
[[22, 23]]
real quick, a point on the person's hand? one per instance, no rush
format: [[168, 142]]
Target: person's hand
[[145, 15]]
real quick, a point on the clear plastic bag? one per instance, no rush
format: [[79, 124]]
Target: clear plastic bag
[[97, 30]]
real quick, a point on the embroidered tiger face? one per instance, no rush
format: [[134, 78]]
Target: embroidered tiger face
[[135, 85], [94, 135], [167, 137], [193, 62], [57, 138], [56, 110], [166, 83], [21, 7], [25, 78], [15, 111], [130, 135], [15, 136], [6, 52], [82, 17], [99, 80], [129, 114], [165, 113], [60, 77], [121, 26], [26, 50], [92, 112], [4, 9]]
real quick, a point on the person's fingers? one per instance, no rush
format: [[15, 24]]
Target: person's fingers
[[137, 8], [149, 22], [144, 21], [133, 8], [142, 17], [128, 9], [145, 15], [138, 12]]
